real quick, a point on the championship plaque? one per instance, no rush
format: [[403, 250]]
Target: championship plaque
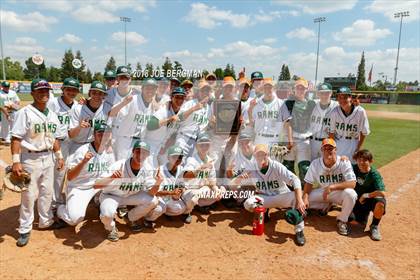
[[228, 115]]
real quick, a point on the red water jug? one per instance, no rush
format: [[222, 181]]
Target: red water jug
[[258, 222]]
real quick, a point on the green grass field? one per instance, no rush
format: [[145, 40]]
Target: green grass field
[[392, 108], [391, 139]]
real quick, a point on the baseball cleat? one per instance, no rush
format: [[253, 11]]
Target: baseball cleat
[[375, 234], [148, 224], [342, 228], [135, 227], [113, 235], [300, 238], [122, 212], [59, 224], [23, 239], [188, 219]]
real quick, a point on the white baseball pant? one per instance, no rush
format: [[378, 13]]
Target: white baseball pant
[[109, 203], [41, 168], [285, 200], [301, 151], [58, 197]]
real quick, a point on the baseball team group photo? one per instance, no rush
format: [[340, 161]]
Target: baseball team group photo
[[260, 158]]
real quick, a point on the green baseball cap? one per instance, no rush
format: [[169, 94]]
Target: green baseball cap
[[244, 136], [150, 82], [110, 74], [175, 80], [175, 151], [99, 127], [257, 76], [178, 91], [203, 138], [324, 87], [5, 84], [123, 71], [71, 83], [39, 84], [141, 145], [99, 86], [344, 90]]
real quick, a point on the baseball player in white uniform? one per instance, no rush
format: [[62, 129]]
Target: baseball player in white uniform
[[194, 116], [34, 139], [62, 105], [171, 188], [88, 163], [84, 117], [129, 182], [270, 179], [267, 116], [163, 124], [11, 103], [331, 180], [349, 124], [130, 117], [320, 118], [200, 179], [110, 78]]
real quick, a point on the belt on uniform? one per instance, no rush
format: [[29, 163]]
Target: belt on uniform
[[348, 138], [189, 136], [38, 152], [267, 135], [316, 138]]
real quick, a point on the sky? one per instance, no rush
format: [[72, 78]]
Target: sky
[[257, 35]]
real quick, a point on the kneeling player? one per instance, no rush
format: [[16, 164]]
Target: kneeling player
[[86, 165], [171, 188], [271, 179], [129, 182], [336, 180], [370, 190]]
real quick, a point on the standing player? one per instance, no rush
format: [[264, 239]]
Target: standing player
[[349, 124], [163, 124], [187, 85], [300, 150], [84, 117], [370, 190], [271, 179], [320, 118], [110, 79], [35, 135], [335, 182], [129, 182], [266, 116], [88, 163], [11, 103], [257, 81], [130, 118]]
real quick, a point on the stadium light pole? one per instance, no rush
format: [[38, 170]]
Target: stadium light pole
[[318, 20], [399, 15], [1, 48], [125, 20]]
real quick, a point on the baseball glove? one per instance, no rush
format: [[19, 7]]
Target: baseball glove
[[278, 151], [16, 183]]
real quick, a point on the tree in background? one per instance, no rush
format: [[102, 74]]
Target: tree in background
[[361, 78], [67, 69], [98, 76], [229, 71], [53, 74], [111, 64], [14, 71], [32, 70], [167, 66], [148, 70], [219, 73], [285, 73], [81, 72]]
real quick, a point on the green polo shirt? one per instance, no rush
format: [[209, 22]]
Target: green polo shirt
[[368, 182]]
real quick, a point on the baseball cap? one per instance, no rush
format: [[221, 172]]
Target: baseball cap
[[123, 71], [99, 86], [141, 145], [5, 84], [228, 81], [244, 81], [110, 74], [39, 84], [71, 83], [203, 138], [328, 141], [211, 75], [203, 84], [268, 81], [261, 148], [178, 91], [344, 90], [301, 82], [324, 87], [244, 136], [186, 82], [174, 79], [257, 76], [175, 151], [99, 127], [150, 82]]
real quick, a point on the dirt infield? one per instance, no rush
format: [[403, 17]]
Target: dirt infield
[[221, 246], [394, 115]]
